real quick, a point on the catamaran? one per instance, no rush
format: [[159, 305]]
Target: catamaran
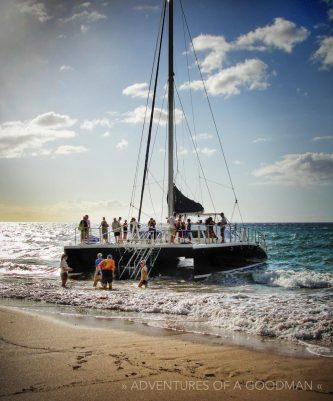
[[211, 245]]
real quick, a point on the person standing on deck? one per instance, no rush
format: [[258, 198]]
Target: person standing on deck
[[189, 231], [104, 226], [107, 267], [64, 269], [120, 230], [152, 229], [84, 229], [172, 227], [134, 228], [223, 223], [125, 230], [210, 229], [144, 274], [88, 225], [116, 229]]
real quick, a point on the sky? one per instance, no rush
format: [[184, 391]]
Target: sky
[[74, 79]]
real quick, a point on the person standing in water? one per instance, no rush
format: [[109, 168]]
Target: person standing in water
[[64, 269], [107, 267], [98, 274], [144, 274]]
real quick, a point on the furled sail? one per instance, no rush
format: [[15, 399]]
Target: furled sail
[[182, 204]]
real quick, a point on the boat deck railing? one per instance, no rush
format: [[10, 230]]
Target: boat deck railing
[[199, 234]]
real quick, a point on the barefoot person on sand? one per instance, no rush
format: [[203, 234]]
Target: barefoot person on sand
[[64, 269]]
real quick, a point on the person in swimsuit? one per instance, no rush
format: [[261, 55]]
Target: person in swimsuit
[[64, 269], [144, 274]]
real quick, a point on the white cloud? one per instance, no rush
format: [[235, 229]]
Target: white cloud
[[137, 116], [324, 54], [282, 34], [260, 139], [106, 134], [250, 74], [123, 144], [218, 50], [85, 4], [147, 8], [330, 14], [208, 151], [53, 120], [89, 125], [299, 169], [84, 28], [137, 90], [68, 150], [36, 9], [203, 136], [86, 17], [237, 162], [322, 138], [66, 68], [301, 92], [205, 151], [27, 138], [182, 151]]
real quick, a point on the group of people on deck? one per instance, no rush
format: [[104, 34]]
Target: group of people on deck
[[179, 228], [183, 229], [120, 229]]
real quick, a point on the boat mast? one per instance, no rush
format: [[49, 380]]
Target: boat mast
[[170, 112]]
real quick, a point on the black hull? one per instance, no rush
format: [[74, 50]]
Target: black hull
[[205, 259]]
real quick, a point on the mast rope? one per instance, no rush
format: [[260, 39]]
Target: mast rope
[[161, 22], [210, 108], [152, 113], [196, 150]]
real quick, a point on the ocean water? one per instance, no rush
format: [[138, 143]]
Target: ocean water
[[288, 300]]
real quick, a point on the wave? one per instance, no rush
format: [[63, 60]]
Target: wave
[[302, 316], [294, 279], [289, 279]]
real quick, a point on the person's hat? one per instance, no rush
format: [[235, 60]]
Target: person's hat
[[109, 256], [99, 255]]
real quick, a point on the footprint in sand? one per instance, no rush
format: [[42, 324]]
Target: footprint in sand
[[81, 359]]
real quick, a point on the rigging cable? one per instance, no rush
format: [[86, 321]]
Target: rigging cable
[[191, 102], [152, 114], [211, 110], [196, 151], [145, 116]]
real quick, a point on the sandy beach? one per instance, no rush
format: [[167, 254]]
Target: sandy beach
[[44, 359]]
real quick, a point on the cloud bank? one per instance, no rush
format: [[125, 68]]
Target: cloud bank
[[299, 169], [281, 34], [35, 9], [137, 90], [250, 74], [27, 138], [324, 55]]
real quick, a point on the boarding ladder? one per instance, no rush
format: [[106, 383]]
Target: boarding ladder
[[147, 253]]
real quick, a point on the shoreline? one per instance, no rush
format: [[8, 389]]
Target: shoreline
[[128, 322], [44, 358]]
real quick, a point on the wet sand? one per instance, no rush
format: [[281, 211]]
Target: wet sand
[[42, 359]]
